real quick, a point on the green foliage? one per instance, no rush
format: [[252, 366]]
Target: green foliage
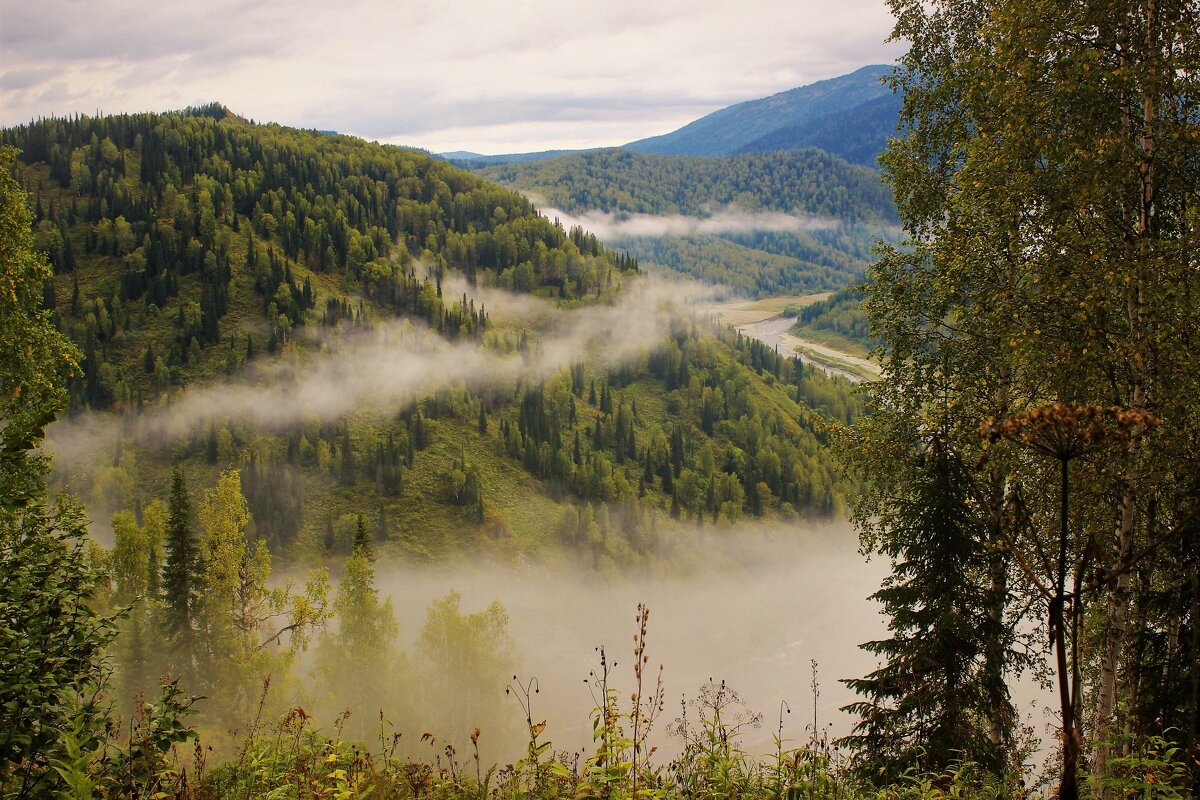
[[37, 358], [930, 705], [803, 181], [754, 266], [182, 574], [358, 664], [784, 262], [463, 661], [147, 763], [52, 641], [247, 629], [195, 210], [840, 314], [213, 239], [1048, 184], [292, 757], [1153, 768]]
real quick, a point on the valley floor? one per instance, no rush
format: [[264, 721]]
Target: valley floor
[[764, 320]]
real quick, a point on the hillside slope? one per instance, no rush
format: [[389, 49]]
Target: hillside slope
[[200, 259], [766, 223], [858, 134], [803, 109]]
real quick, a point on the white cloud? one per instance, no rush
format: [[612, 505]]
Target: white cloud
[[474, 75]]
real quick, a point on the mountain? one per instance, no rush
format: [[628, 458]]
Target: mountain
[[805, 181], [714, 213], [221, 279], [815, 115], [858, 134]]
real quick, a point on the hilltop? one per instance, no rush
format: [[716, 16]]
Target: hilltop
[[820, 114]]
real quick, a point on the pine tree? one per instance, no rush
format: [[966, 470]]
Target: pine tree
[[929, 704], [362, 542], [182, 573]]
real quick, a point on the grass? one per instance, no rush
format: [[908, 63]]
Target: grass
[[833, 339]]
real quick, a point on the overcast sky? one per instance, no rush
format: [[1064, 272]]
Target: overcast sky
[[491, 77]]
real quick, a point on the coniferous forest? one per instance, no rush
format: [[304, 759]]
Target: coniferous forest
[[254, 376]]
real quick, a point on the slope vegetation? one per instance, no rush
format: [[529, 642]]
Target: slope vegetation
[[197, 256]]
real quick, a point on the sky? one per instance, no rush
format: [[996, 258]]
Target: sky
[[488, 77]]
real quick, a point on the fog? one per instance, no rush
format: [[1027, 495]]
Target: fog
[[751, 605], [387, 368], [609, 226], [760, 604]]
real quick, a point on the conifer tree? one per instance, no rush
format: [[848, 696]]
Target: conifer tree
[[929, 705], [182, 573], [362, 542], [1052, 271]]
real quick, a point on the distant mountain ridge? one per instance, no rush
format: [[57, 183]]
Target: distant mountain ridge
[[469, 159], [851, 116], [830, 114]]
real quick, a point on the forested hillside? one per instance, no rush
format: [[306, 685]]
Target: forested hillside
[[858, 135], [809, 182], [839, 320], [192, 249], [836, 211]]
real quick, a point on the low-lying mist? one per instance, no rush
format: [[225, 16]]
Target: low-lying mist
[[614, 227], [760, 607], [388, 367]]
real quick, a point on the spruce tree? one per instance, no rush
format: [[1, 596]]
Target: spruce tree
[[362, 542], [930, 704], [182, 572]]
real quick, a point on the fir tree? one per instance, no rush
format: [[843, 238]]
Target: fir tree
[[182, 572], [362, 542], [929, 704]]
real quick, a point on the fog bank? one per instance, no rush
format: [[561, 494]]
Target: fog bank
[[386, 368], [763, 605], [608, 226]]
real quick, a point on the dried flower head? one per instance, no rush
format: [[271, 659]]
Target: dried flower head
[[1068, 430]]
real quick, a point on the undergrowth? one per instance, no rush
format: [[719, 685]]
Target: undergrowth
[[161, 756]]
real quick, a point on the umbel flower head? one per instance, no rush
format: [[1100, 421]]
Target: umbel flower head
[[1067, 430]]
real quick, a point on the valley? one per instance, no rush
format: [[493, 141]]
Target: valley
[[839, 443], [767, 321]]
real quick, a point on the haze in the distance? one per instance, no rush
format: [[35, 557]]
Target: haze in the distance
[[473, 75]]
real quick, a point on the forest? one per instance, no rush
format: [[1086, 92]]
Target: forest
[[245, 242], [806, 181], [1026, 468], [847, 209], [838, 318]]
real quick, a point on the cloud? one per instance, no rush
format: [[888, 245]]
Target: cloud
[[613, 227], [16, 79], [386, 368], [465, 75]]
